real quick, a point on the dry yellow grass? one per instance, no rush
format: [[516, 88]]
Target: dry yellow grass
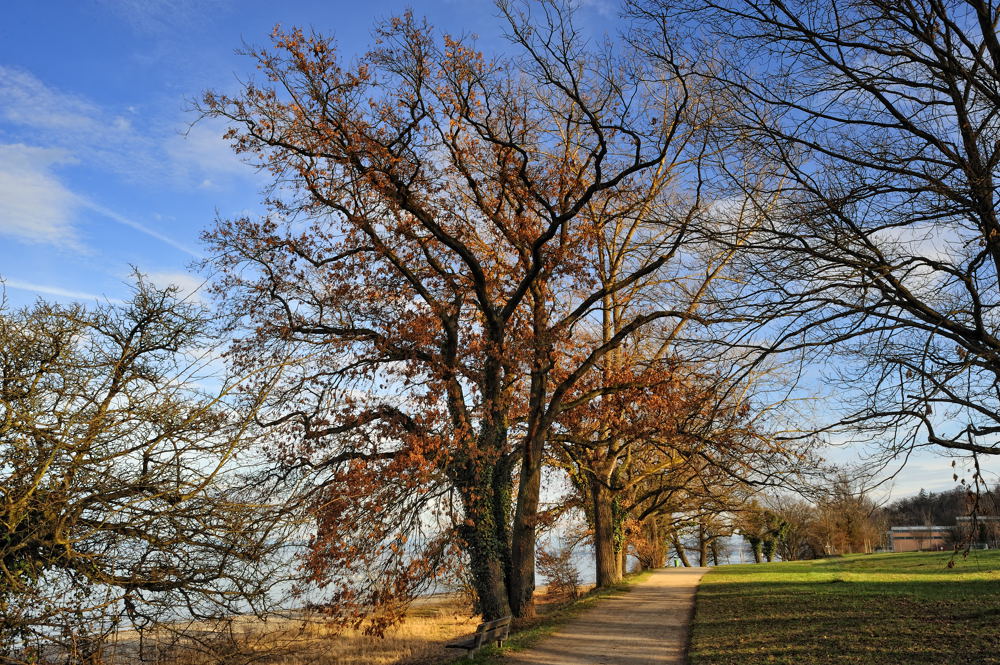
[[420, 638], [429, 625]]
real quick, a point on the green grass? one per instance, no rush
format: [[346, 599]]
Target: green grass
[[527, 636], [879, 608]]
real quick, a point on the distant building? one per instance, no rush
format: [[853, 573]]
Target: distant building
[[917, 538]]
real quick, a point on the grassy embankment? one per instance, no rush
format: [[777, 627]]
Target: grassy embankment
[[881, 609]]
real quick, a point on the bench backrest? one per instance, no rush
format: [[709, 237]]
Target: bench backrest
[[492, 631]]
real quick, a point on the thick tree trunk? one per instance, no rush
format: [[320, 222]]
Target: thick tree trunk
[[521, 588], [485, 486], [681, 552], [715, 551], [503, 485], [702, 546], [489, 577], [487, 551], [605, 555], [521, 585], [657, 542], [756, 548]]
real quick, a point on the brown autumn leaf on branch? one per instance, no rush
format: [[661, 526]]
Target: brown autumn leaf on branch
[[428, 261]]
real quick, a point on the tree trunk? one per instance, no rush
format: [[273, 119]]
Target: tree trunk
[[702, 546], [605, 554], [681, 552], [521, 585], [756, 547], [487, 551], [621, 557], [657, 543], [488, 575], [485, 487], [715, 551], [522, 548]]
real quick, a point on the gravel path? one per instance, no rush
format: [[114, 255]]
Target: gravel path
[[646, 626]]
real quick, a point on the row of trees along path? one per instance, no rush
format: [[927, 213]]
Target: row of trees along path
[[576, 258]]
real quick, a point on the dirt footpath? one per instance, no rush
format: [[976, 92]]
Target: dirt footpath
[[645, 626]]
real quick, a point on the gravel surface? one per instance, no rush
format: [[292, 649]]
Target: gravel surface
[[645, 626]]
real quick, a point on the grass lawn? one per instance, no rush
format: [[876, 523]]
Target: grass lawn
[[876, 608]]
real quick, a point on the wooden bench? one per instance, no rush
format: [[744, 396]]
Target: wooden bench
[[491, 631]]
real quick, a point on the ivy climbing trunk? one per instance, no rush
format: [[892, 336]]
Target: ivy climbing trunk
[[484, 482], [486, 546]]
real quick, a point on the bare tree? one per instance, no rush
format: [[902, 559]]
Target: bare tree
[[797, 541], [879, 123], [123, 504], [847, 518]]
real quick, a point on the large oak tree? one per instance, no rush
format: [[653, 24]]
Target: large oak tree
[[429, 251]]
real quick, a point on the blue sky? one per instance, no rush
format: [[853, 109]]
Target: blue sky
[[100, 168]]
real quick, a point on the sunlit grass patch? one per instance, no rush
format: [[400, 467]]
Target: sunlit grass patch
[[884, 608], [420, 638]]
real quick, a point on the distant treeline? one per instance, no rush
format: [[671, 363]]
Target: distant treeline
[[941, 508], [844, 519]]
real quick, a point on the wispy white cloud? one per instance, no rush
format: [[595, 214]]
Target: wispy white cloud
[[942, 242], [203, 154], [603, 8], [57, 291], [190, 285], [134, 145], [932, 473], [141, 228], [24, 100], [153, 16], [40, 114], [35, 207]]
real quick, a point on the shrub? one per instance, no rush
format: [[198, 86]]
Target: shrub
[[559, 571]]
